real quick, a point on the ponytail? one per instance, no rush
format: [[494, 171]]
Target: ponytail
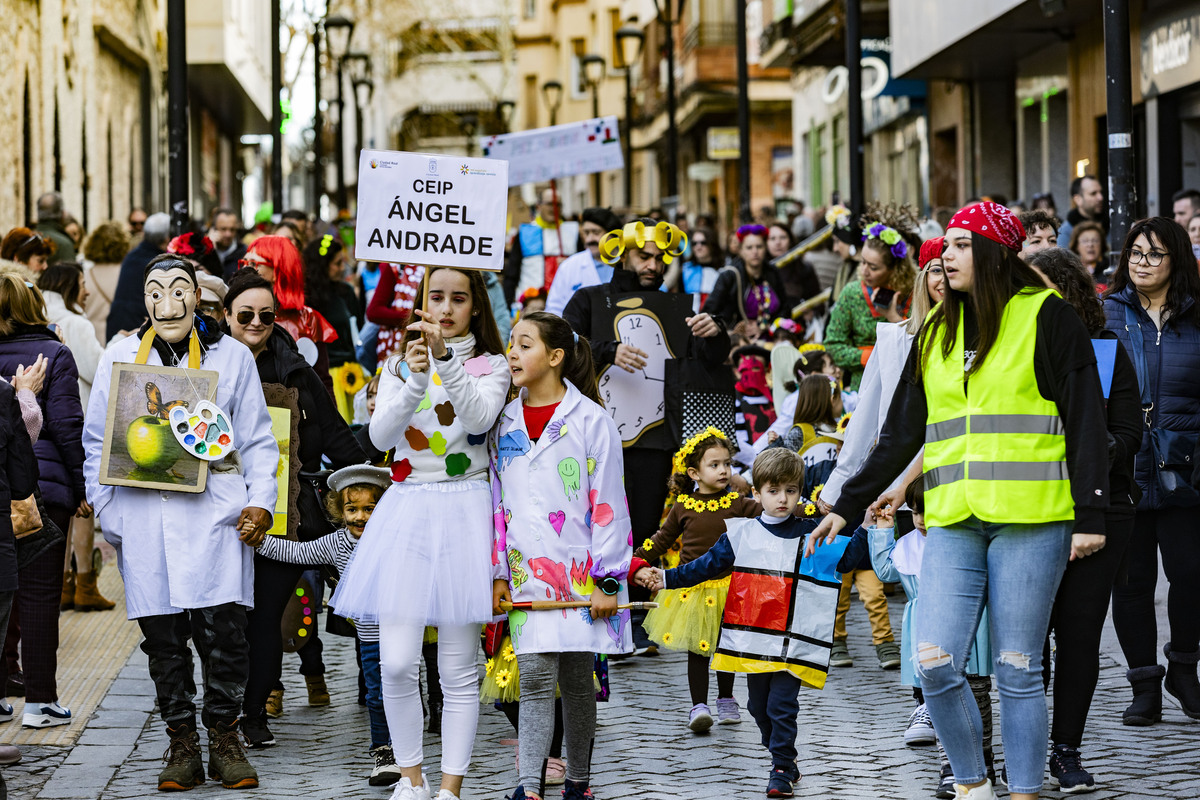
[[577, 365]]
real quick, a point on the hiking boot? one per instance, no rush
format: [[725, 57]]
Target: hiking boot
[[839, 656], [275, 704], [227, 760], [1066, 770], [728, 711], [254, 728], [318, 693], [888, 654], [1181, 682], [1146, 708], [68, 592], [386, 772], [577, 791], [700, 719], [920, 728], [87, 594], [184, 769]]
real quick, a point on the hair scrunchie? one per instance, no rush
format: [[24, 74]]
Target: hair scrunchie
[[668, 237]]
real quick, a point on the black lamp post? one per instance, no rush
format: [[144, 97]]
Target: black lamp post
[[364, 89], [594, 69], [669, 13], [552, 94], [338, 30], [469, 122], [504, 112], [629, 41], [318, 143]]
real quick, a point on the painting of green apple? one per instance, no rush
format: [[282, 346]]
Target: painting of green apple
[[140, 450]]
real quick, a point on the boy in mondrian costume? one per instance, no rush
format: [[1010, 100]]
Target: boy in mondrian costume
[[778, 623]]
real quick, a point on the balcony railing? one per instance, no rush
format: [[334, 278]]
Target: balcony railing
[[709, 34]]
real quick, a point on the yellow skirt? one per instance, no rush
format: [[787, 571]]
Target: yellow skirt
[[502, 679], [689, 619]]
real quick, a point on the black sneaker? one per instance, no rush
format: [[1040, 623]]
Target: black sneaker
[[1066, 770], [386, 773], [781, 781], [945, 787], [254, 728]]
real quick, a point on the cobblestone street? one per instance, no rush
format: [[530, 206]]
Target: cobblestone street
[[851, 741]]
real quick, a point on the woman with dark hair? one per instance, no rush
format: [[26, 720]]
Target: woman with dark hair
[[277, 260], [1151, 304], [24, 335], [250, 319], [327, 293], [1088, 242], [701, 270], [1016, 481], [748, 294], [799, 279], [65, 294], [1082, 600], [28, 249]]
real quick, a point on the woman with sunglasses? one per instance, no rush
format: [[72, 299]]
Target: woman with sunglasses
[[1151, 305], [250, 317], [277, 260], [700, 271], [29, 252]]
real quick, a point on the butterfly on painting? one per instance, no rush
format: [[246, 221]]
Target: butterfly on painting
[[155, 404]]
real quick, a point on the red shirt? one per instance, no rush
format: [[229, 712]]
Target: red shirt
[[536, 419]]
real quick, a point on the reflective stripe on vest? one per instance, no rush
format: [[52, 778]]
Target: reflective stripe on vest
[[995, 448]]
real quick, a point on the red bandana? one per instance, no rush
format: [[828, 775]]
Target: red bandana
[[993, 221], [931, 249]]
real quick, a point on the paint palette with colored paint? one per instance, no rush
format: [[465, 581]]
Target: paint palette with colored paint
[[204, 431]]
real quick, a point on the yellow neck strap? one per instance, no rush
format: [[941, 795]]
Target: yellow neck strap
[[148, 338]]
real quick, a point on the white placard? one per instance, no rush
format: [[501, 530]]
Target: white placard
[[576, 148], [435, 210]]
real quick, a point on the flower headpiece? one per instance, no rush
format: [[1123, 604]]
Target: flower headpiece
[[844, 422], [188, 244], [808, 349], [751, 230], [838, 216], [326, 241], [678, 462], [668, 237], [889, 236], [782, 324]]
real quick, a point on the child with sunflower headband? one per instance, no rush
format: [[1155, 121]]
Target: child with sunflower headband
[[690, 619]]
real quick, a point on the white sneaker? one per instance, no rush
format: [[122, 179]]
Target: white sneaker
[[920, 728], [984, 792], [43, 715], [6, 711], [406, 791], [446, 794]]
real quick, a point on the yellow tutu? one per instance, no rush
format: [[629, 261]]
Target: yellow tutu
[[689, 619], [502, 680]]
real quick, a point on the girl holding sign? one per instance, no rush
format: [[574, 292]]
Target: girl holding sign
[[427, 562]]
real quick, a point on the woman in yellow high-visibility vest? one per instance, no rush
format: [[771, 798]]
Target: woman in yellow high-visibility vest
[[1002, 390]]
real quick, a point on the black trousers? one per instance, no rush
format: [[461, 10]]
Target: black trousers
[[1173, 531], [1077, 621], [274, 583], [220, 636]]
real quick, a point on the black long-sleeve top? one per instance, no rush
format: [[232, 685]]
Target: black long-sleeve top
[[1064, 364]]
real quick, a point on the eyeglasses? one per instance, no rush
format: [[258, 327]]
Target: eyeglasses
[[246, 317], [137, 226], [936, 272], [245, 263], [1153, 257], [699, 243]]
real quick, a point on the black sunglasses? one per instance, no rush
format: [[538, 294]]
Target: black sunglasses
[[246, 317]]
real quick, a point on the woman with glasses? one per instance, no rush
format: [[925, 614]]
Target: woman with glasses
[[278, 262], [1151, 305], [28, 250], [700, 272], [1087, 242], [250, 317]]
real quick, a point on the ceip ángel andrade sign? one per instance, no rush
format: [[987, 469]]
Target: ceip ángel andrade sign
[[436, 210]]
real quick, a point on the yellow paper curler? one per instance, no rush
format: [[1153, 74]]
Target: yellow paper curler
[[668, 237]]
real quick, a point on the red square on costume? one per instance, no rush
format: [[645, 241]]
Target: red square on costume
[[760, 601]]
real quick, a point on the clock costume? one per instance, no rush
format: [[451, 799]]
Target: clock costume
[[186, 573]]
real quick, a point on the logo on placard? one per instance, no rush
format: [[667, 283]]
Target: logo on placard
[[464, 169], [374, 163], [433, 166]]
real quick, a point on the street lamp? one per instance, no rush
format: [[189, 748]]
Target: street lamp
[[469, 122], [629, 42], [338, 30], [669, 13], [552, 94], [364, 88], [594, 68], [504, 110]]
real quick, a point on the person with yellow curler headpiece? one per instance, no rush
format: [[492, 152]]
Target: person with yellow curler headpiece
[[640, 253]]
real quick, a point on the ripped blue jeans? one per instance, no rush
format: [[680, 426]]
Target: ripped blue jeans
[[1014, 569]]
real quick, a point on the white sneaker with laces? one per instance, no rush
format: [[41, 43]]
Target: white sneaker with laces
[[43, 715], [920, 728], [406, 791], [446, 794]]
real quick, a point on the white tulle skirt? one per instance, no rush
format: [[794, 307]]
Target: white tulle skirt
[[425, 557]]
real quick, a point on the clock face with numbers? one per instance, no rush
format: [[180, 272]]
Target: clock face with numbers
[[635, 399]]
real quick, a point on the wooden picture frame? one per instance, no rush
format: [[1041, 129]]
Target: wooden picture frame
[[283, 403], [143, 395]]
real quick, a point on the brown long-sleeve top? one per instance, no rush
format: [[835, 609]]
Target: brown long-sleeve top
[[699, 529]]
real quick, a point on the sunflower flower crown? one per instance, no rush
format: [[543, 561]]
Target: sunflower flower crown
[[678, 463], [716, 504]]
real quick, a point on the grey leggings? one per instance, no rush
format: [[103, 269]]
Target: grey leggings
[[572, 673]]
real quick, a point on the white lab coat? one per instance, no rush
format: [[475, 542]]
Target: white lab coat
[[561, 521], [175, 550], [577, 272]]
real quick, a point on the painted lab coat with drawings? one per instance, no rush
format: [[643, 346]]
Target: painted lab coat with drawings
[[175, 550]]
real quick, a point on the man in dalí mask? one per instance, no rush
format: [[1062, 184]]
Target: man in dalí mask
[[187, 559]]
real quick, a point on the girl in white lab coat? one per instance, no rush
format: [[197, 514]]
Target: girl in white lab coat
[[424, 559], [562, 533]]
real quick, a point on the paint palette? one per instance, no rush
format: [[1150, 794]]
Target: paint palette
[[204, 431]]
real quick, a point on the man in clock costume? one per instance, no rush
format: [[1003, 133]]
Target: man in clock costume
[[187, 559], [644, 248]]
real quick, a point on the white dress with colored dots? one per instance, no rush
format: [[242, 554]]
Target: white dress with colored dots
[[425, 556]]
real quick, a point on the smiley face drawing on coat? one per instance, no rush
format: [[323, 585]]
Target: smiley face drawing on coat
[[568, 470]]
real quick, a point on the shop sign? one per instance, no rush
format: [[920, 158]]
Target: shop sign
[[723, 144], [1169, 51]]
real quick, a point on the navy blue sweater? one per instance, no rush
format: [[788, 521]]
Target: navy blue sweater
[[719, 558]]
